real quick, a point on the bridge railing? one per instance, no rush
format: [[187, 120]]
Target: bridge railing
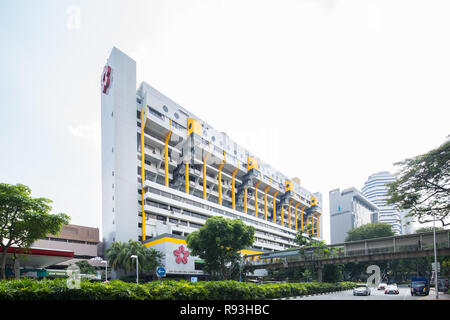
[[339, 252]]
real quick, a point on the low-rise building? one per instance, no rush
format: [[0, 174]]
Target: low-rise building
[[83, 241]]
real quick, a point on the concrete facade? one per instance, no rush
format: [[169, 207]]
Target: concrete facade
[[83, 241], [349, 209], [165, 170], [375, 190]]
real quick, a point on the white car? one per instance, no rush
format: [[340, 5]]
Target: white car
[[392, 288], [382, 286], [361, 290]]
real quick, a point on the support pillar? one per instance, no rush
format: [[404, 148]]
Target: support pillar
[[265, 202], [275, 207], [256, 198], [319, 273], [166, 156]]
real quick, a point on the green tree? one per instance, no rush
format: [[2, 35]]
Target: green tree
[[423, 186], [119, 257], [428, 229], [24, 219], [85, 267], [218, 243], [370, 231], [333, 272]]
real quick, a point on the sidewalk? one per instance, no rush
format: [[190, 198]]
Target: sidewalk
[[432, 296]]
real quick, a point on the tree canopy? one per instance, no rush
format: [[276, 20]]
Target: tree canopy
[[423, 186], [428, 229], [370, 231], [24, 219], [218, 243], [86, 267], [119, 257]]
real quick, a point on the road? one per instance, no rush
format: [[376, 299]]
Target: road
[[404, 294]]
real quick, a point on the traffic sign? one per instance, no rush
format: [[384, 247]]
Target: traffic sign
[[433, 266], [160, 272], [194, 279]]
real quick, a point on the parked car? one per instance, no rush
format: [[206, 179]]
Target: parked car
[[361, 290], [392, 288], [382, 286], [420, 285]]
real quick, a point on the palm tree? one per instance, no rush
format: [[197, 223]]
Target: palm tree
[[119, 256]]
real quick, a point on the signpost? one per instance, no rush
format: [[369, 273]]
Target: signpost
[[160, 272], [433, 266]]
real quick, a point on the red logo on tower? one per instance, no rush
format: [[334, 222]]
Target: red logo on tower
[[181, 254], [106, 79]]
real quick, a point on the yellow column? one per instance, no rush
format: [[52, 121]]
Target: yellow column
[[301, 217], [166, 155], [233, 193], [265, 202], [295, 216], [245, 200], [205, 158], [143, 172], [186, 177], [275, 207], [219, 177], [256, 198], [317, 227], [289, 214]]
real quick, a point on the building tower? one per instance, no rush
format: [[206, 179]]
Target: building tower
[[349, 209], [165, 171], [375, 190]]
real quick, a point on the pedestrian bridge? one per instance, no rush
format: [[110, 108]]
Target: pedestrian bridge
[[395, 247]]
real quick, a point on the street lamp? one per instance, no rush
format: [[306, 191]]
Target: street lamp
[[435, 259], [137, 273], [106, 274]]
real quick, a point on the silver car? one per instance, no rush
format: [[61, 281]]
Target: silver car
[[361, 290]]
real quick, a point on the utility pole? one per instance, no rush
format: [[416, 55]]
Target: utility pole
[[435, 259]]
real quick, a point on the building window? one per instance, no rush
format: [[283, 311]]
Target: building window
[[171, 220], [194, 225]]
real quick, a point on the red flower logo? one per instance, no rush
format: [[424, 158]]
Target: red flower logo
[[181, 254], [106, 78]]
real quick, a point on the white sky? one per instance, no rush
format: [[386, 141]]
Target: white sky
[[329, 91]]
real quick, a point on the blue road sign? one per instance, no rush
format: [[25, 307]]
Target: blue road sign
[[161, 271]]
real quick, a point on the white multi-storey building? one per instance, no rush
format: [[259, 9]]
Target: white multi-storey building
[[165, 171], [375, 190], [349, 209]]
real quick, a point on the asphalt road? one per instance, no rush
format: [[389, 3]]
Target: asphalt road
[[404, 294]]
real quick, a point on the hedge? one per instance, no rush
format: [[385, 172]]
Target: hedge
[[30, 289]]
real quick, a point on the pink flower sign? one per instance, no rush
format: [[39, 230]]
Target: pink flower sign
[[181, 255]]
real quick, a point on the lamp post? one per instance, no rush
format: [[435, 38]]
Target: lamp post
[[106, 273], [435, 259], [137, 273]]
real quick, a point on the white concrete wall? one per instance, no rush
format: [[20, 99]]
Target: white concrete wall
[[119, 149]]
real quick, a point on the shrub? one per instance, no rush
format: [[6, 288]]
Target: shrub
[[30, 289]]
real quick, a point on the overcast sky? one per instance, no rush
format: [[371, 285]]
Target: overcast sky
[[329, 91]]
